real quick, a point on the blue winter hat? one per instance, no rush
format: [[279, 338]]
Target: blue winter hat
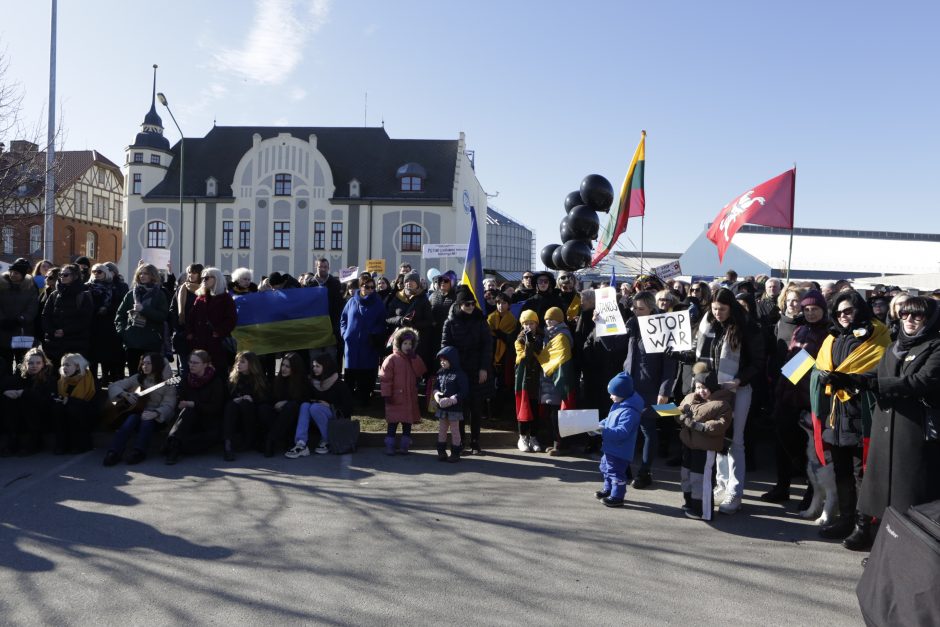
[[621, 385]]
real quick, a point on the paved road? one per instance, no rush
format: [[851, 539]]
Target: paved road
[[505, 539]]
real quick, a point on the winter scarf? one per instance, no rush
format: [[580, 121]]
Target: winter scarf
[[727, 360], [322, 385], [181, 295], [102, 292], [195, 382], [906, 342], [502, 326], [82, 386]]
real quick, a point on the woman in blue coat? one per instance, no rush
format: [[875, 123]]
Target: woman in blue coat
[[362, 325]]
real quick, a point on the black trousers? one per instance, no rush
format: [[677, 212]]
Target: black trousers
[[283, 425], [247, 422], [196, 432], [73, 423], [789, 443], [847, 464], [362, 382]]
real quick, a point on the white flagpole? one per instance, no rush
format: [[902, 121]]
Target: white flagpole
[[792, 225]]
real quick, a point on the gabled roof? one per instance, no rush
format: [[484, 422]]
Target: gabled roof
[[69, 166], [366, 154]]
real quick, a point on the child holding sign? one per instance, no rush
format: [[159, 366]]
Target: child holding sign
[[618, 431]]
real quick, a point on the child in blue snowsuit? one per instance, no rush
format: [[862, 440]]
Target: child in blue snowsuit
[[450, 390], [619, 430]]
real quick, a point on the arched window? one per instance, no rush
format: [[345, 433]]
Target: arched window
[[411, 238], [35, 238], [91, 245], [8, 240], [156, 234]]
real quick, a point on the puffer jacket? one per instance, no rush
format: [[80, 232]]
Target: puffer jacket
[[714, 416], [619, 428], [19, 303], [470, 335], [452, 383], [70, 308]]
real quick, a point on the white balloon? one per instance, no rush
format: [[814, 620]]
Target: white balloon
[[433, 273]]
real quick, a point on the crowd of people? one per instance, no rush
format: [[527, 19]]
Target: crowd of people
[[82, 348]]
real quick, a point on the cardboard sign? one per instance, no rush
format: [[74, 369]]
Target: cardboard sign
[[435, 251], [375, 266], [605, 306], [667, 270], [575, 421], [663, 330], [159, 257], [348, 274]]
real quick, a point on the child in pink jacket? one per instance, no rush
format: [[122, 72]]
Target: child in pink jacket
[[399, 375]]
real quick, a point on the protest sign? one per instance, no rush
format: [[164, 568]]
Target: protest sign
[[375, 266], [575, 421], [159, 257], [605, 306], [435, 251], [348, 274], [664, 330], [667, 270]]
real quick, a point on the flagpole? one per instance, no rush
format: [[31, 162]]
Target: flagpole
[[642, 243], [792, 223]]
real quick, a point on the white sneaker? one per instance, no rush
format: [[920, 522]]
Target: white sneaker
[[300, 450], [322, 448], [730, 505], [718, 495], [534, 445], [523, 443]]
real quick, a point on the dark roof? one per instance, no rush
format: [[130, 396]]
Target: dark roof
[[365, 154], [70, 165], [153, 118], [151, 140]]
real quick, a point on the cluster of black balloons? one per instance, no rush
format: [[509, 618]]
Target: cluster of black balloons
[[580, 225]]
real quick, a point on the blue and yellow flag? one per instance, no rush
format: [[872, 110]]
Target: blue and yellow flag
[[473, 266], [283, 320]]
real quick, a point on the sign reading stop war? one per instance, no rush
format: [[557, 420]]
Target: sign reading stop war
[[663, 330]]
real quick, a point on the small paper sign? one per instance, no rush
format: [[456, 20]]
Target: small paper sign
[[575, 421], [667, 270], [376, 266], [436, 251], [348, 274], [159, 257], [667, 409], [664, 330], [21, 342], [610, 322]]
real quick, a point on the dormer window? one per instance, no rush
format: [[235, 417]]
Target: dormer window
[[282, 185], [412, 177], [212, 187], [354, 188]]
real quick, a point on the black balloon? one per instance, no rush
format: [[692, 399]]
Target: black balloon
[[564, 229], [572, 200], [597, 192], [557, 261], [576, 254], [547, 256], [583, 222]]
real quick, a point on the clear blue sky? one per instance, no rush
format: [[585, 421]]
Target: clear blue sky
[[730, 93]]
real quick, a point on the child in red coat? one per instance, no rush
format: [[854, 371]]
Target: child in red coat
[[399, 376]]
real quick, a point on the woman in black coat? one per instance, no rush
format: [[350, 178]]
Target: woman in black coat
[[67, 316], [467, 331], [903, 464], [26, 401], [107, 348], [200, 400]]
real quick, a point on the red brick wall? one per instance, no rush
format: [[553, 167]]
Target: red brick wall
[[70, 238]]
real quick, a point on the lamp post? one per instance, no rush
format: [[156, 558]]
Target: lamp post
[[163, 101]]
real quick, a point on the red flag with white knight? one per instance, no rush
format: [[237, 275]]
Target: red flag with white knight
[[767, 204]]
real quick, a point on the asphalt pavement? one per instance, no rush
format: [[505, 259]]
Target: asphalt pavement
[[508, 538]]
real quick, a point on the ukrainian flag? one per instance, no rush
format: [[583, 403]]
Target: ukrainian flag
[[283, 320], [473, 266], [798, 366]]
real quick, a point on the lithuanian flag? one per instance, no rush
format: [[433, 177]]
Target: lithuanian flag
[[283, 320], [632, 204]]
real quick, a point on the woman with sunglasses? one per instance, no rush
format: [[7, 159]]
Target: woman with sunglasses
[[903, 466], [67, 316], [212, 319], [107, 349], [841, 412], [362, 327]]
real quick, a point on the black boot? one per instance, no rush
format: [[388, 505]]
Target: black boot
[[687, 497], [807, 497], [601, 494], [643, 480], [228, 453], [455, 453], [442, 451], [694, 510], [777, 494], [173, 449], [838, 530], [861, 537]]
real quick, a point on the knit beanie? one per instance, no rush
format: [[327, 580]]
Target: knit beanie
[[20, 265], [464, 296], [814, 298], [83, 261], [529, 316], [412, 276], [556, 314], [621, 385], [702, 375]]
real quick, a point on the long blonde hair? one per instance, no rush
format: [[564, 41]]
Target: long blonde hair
[[259, 382], [78, 360], [220, 285]]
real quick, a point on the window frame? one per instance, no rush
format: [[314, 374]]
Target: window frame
[[283, 184], [412, 184], [411, 234], [244, 234], [137, 183], [34, 243], [155, 159], [91, 245], [281, 235], [336, 236], [228, 233], [319, 235], [157, 231], [138, 157], [8, 237]]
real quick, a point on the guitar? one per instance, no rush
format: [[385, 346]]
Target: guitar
[[120, 407]]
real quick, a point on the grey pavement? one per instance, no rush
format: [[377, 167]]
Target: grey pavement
[[364, 539]]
